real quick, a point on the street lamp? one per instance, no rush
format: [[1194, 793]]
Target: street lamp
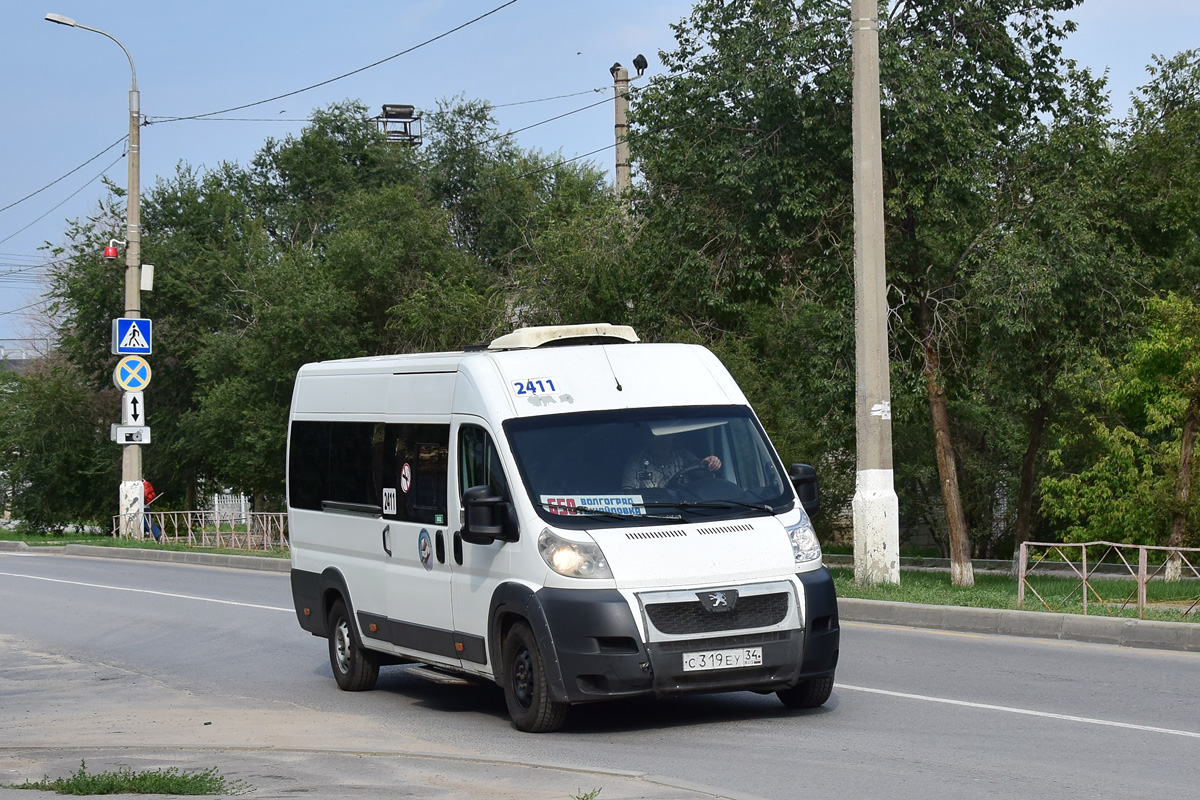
[[131, 459]]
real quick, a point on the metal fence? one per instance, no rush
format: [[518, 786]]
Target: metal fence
[[230, 508], [258, 531], [1058, 559]]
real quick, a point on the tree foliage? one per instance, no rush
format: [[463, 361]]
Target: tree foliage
[[54, 447], [331, 244], [1120, 484], [1042, 260]]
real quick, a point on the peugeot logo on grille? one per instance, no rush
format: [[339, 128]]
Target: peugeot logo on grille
[[718, 602]]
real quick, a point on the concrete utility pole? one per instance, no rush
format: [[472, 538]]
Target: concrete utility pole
[[621, 127], [131, 498], [876, 509]]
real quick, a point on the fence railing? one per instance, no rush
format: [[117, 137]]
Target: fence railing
[[260, 531], [1059, 559]]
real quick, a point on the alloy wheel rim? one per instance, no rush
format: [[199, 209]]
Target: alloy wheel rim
[[343, 646]]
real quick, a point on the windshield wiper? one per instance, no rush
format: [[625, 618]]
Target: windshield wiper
[[711, 504], [588, 511]]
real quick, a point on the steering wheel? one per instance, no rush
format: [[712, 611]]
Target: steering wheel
[[687, 475]]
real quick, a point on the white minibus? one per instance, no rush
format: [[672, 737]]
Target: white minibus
[[566, 511]]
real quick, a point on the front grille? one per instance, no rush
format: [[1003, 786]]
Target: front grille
[[751, 611]]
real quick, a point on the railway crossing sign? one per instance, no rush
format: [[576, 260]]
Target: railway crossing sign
[[131, 336], [132, 374]]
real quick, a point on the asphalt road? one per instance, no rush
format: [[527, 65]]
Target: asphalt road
[[168, 661]]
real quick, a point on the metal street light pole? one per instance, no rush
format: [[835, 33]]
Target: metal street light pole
[[131, 460]]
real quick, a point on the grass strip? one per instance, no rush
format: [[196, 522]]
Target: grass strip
[[1165, 601], [157, 781]]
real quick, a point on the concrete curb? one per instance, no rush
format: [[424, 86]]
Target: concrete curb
[[181, 557], [1047, 625], [262, 563]]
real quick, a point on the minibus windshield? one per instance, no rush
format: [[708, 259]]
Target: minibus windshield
[[648, 466]]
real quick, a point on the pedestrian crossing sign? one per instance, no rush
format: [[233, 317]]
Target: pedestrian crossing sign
[[131, 336]]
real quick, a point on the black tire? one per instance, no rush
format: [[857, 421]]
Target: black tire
[[807, 694], [525, 689], [354, 668]]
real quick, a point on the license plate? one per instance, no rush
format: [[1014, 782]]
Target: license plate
[[722, 659]]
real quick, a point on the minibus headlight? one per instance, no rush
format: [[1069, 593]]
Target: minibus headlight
[[573, 559], [805, 546]]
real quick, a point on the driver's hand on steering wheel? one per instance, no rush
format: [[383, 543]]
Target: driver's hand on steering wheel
[[712, 462]]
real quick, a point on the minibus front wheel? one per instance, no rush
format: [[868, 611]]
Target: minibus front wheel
[[525, 690], [808, 693]]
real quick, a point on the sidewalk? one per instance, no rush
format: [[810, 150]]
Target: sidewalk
[[351, 775]]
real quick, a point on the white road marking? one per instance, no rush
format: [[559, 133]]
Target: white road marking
[[149, 591], [1025, 711]]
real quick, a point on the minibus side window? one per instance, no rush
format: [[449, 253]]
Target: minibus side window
[[479, 462], [308, 464], [415, 466], [339, 462], [352, 476]]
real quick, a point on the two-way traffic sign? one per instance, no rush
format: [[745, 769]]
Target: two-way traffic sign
[[133, 409]]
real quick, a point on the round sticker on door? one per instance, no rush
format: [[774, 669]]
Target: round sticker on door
[[405, 478], [425, 549]]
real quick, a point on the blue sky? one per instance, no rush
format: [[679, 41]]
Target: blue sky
[[65, 95]]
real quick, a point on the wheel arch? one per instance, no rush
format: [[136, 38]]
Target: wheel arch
[[333, 587], [514, 602]]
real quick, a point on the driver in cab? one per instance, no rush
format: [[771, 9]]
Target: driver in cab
[[660, 462]]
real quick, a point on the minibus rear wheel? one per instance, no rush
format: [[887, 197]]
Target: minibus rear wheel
[[525, 689], [354, 668]]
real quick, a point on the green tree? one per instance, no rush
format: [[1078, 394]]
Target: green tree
[[58, 464], [1161, 164], [1137, 452], [1125, 473], [498, 196], [744, 149], [1056, 281], [296, 185]]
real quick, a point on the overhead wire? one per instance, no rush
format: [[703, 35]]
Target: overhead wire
[[19, 310], [155, 119], [210, 116], [543, 122], [26, 276], [555, 97], [64, 201], [152, 120], [347, 74], [67, 175]]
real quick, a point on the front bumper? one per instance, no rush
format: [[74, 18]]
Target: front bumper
[[601, 653]]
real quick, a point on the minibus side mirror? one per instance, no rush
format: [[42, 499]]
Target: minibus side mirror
[[804, 480], [488, 517]]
